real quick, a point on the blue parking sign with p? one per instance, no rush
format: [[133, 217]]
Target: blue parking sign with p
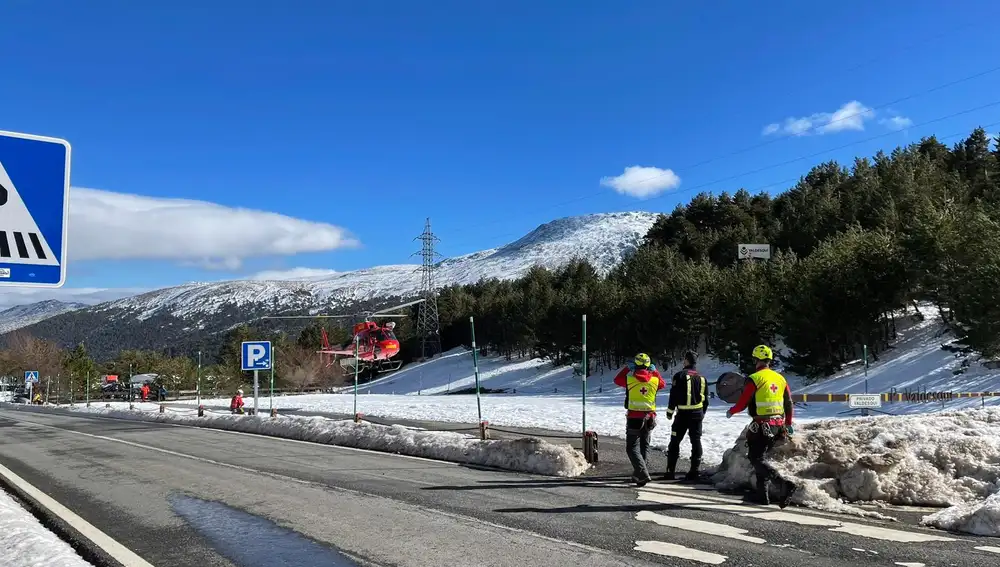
[[256, 355]]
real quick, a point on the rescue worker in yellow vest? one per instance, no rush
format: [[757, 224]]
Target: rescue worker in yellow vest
[[641, 381], [689, 398], [768, 400]]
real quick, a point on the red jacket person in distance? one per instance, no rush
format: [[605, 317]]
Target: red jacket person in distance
[[641, 381]]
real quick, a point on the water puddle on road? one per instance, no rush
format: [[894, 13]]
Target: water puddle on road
[[248, 540]]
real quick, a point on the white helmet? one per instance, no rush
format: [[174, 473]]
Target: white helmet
[[240, 391]]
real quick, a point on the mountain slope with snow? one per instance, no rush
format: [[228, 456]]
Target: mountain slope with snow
[[602, 239], [24, 315], [186, 316]]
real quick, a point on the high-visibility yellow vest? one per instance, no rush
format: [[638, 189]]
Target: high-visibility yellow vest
[[641, 395], [770, 395], [703, 385]]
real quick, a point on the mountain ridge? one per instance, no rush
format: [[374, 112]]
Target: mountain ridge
[[186, 315]]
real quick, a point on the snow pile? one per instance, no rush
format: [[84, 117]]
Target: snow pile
[[944, 459], [27, 543], [979, 518], [527, 454]]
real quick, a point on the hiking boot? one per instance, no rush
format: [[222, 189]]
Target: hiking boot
[[640, 481], [764, 492], [669, 475], [789, 491]]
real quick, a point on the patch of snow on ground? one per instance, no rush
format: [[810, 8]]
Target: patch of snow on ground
[[605, 414], [944, 459], [27, 543], [979, 518], [526, 454]]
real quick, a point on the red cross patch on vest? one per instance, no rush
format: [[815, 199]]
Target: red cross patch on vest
[[642, 390], [774, 388]]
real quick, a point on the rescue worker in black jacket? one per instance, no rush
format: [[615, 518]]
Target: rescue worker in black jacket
[[689, 399]]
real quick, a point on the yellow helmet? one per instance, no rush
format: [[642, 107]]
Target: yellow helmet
[[642, 359], [763, 352]]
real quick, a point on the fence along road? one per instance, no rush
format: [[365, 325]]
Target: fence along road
[[122, 476]]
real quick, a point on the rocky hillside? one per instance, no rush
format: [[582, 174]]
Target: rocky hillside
[[24, 315], [192, 316]]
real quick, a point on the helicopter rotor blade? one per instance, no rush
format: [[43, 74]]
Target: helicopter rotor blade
[[306, 316], [380, 313]]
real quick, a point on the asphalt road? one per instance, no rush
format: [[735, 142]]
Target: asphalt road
[[188, 496]]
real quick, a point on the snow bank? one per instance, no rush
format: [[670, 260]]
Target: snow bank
[[27, 543], [527, 454], [979, 518], [945, 459]]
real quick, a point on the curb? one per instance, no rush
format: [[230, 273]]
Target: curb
[[89, 550]]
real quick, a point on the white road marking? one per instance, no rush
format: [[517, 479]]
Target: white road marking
[[663, 498], [679, 551], [687, 499], [862, 530], [989, 548], [454, 516], [698, 526], [119, 552], [909, 564]]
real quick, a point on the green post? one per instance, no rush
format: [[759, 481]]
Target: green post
[[198, 387], [88, 388], [475, 366], [274, 358], [585, 374], [866, 368], [357, 368]]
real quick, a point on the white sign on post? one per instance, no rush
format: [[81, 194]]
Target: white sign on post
[[747, 251], [864, 401]]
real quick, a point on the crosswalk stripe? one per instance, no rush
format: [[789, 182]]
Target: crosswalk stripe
[[698, 526], [679, 551], [687, 498], [989, 548]]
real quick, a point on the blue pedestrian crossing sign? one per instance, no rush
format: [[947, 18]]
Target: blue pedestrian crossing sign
[[256, 355], [34, 210], [30, 376]]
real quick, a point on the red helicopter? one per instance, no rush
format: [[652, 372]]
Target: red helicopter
[[376, 345]]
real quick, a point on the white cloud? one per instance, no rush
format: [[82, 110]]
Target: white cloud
[[293, 274], [643, 182], [117, 226], [850, 116], [11, 296], [896, 122]]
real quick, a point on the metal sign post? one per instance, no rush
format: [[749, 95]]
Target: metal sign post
[[357, 368], [256, 387], [475, 366], [198, 386], [584, 419]]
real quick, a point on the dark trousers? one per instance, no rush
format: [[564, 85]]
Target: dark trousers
[[685, 422], [761, 438], [637, 433]]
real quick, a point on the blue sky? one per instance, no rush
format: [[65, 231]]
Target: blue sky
[[354, 121]]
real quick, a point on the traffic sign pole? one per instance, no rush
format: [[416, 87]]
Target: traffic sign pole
[[34, 209], [256, 387]]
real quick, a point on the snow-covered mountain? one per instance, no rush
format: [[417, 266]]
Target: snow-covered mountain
[[191, 311], [24, 315], [603, 239]]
